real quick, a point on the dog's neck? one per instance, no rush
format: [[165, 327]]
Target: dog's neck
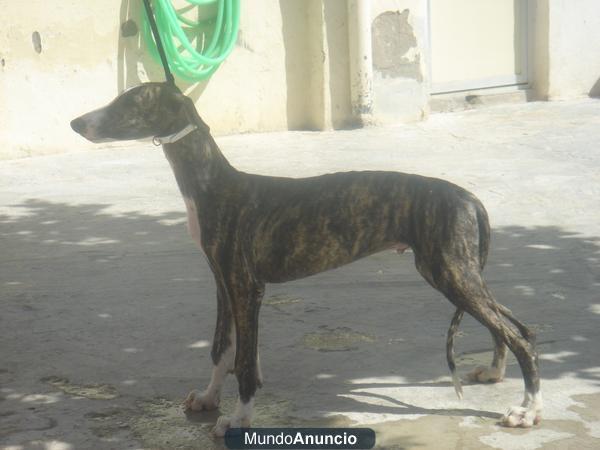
[[198, 164]]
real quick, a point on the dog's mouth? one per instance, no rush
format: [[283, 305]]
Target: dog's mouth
[[82, 127], [100, 140], [89, 130]]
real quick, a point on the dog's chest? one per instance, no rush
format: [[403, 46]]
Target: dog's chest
[[192, 220]]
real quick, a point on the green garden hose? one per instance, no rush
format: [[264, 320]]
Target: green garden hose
[[194, 48]]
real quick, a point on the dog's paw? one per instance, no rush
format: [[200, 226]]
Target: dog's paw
[[241, 418], [224, 423], [197, 401], [483, 374], [521, 417]]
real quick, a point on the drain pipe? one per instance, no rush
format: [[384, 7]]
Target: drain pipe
[[361, 60]]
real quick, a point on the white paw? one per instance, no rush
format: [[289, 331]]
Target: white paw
[[483, 374], [224, 423], [205, 401], [522, 417], [241, 418]]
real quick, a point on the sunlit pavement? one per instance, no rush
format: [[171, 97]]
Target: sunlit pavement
[[107, 308]]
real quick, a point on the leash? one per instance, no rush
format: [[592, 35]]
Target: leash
[[159, 44], [195, 48]]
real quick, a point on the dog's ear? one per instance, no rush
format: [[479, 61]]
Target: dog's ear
[[180, 105], [174, 101], [190, 109]]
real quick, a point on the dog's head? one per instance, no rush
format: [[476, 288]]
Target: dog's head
[[147, 110]]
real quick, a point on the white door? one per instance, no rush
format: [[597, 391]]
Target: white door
[[477, 44]]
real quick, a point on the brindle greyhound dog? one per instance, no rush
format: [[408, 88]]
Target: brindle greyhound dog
[[258, 229]]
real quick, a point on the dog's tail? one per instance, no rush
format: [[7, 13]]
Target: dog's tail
[[458, 315], [483, 224]]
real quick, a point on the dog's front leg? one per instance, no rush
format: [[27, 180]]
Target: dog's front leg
[[246, 304], [223, 356]]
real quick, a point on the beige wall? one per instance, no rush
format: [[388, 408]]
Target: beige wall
[[289, 70], [573, 48], [75, 70], [477, 43]]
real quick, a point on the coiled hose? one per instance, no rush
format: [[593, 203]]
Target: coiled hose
[[194, 48]]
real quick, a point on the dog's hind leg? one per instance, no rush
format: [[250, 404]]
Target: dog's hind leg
[[223, 357], [246, 300], [495, 372], [476, 250], [529, 413], [461, 282]]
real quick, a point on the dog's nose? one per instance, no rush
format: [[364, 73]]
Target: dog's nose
[[78, 125]]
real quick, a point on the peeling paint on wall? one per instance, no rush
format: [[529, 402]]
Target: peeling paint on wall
[[394, 46]]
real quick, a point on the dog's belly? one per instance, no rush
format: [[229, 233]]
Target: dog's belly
[[294, 269], [298, 242], [286, 261]]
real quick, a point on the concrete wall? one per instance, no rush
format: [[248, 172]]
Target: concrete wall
[[573, 48], [74, 68], [322, 83], [289, 70], [563, 48], [400, 73]]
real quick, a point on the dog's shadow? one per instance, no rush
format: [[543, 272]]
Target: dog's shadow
[[547, 275], [203, 417], [403, 408]]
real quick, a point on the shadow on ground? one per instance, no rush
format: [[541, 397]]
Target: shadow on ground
[[122, 307]]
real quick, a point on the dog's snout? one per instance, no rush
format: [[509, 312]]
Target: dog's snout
[[78, 125]]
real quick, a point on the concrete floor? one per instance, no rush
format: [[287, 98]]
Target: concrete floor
[[107, 308]]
